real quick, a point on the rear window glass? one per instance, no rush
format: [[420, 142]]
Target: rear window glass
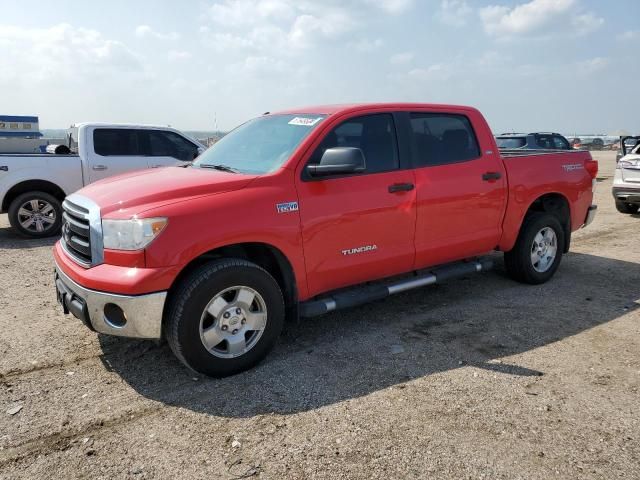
[[511, 142]]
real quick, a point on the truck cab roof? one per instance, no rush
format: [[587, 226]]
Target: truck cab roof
[[121, 125], [353, 107]]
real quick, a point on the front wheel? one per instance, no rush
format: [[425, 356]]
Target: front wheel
[[36, 214], [537, 253], [224, 317], [624, 207]]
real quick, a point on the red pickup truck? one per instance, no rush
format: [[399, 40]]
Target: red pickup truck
[[306, 211]]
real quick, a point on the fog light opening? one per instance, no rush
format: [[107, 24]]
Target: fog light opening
[[114, 316]]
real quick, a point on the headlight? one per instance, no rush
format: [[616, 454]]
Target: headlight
[[133, 234]]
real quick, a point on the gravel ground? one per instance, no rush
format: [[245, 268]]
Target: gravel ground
[[477, 378]]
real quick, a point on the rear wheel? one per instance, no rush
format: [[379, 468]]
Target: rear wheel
[[225, 317], [36, 214], [624, 207], [537, 253]]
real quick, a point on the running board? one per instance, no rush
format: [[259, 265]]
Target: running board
[[369, 293]]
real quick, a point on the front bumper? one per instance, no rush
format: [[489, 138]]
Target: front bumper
[[136, 316]]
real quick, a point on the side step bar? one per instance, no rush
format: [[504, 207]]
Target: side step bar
[[369, 293]]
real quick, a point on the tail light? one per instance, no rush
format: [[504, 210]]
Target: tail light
[[624, 164], [592, 167]]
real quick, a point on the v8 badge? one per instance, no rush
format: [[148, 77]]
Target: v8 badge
[[287, 207]]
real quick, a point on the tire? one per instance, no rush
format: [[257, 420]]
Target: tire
[[36, 215], [519, 262], [624, 207], [205, 315]]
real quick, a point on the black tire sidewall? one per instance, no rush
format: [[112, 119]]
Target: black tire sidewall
[[184, 323], [25, 197], [533, 224]]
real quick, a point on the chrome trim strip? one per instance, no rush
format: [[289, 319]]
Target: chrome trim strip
[[71, 207], [95, 224], [78, 260], [143, 312], [71, 220], [411, 284]]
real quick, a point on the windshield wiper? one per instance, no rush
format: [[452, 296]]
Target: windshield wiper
[[222, 168]]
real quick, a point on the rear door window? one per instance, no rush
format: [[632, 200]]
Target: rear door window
[[116, 142], [560, 143], [545, 141], [440, 138]]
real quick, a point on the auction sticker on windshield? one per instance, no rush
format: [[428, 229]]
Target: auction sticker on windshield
[[304, 121]]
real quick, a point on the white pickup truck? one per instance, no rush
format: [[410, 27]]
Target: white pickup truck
[[33, 186]]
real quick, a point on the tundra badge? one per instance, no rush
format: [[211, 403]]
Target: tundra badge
[[4, 168], [365, 248], [570, 167], [287, 207]]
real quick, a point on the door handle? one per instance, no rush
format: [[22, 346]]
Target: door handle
[[100, 167], [491, 176], [401, 187], [156, 166]]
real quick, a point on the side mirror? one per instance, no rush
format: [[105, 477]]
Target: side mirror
[[199, 151], [338, 161]]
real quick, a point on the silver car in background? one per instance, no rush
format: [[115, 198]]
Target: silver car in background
[[626, 181]]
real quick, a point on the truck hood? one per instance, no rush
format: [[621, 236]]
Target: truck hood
[[132, 193]]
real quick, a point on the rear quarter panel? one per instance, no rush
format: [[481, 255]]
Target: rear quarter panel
[[532, 176], [65, 171]]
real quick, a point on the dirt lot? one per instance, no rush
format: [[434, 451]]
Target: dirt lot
[[478, 378]]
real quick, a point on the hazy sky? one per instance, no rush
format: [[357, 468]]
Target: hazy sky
[[566, 65]]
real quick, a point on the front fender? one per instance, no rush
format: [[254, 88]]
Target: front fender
[[249, 215]]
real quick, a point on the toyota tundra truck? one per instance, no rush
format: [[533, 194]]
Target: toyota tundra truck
[[302, 212]]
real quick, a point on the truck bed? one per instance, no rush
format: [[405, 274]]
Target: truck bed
[[562, 172], [67, 155]]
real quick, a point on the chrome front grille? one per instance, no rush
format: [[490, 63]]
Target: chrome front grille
[[82, 230]]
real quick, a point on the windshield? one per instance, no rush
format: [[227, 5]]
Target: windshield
[[261, 145], [511, 142]]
